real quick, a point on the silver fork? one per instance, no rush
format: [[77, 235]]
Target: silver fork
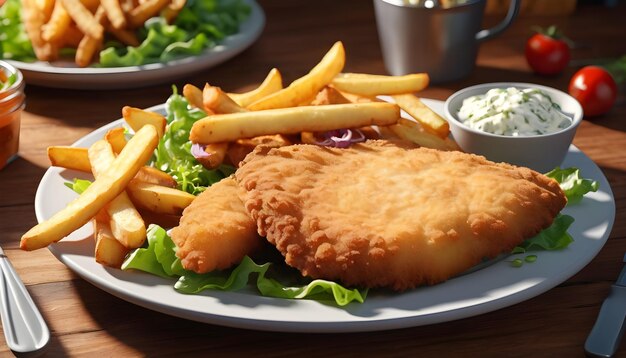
[[24, 328]]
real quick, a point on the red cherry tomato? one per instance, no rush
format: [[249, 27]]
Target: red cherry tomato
[[547, 55], [595, 89]]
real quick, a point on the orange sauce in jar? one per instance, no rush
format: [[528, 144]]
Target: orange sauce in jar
[[11, 105]]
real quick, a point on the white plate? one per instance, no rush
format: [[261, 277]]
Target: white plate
[[488, 289], [67, 75]]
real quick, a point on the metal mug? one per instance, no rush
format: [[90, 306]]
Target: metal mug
[[441, 41]]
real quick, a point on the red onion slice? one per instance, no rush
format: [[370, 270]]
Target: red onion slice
[[197, 150], [342, 138]]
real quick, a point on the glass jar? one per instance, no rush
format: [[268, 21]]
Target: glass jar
[[12, 102]]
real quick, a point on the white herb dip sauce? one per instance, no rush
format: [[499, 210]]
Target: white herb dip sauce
[[513, 112]]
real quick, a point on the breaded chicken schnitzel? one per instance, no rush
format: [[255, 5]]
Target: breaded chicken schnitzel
[[215, 231], [378, 215]]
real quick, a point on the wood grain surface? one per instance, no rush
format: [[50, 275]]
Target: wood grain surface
[[85, 320]]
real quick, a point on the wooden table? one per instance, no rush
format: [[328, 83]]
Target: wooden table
[[85, 320]]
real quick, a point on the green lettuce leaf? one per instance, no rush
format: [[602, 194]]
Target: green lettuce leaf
[[572, 184], [555, 237], [159, 258], [78, 185], [14, 43], [199, 26], [173, 154]]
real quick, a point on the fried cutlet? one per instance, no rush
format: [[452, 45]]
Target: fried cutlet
[[378, 215], [215, 231]]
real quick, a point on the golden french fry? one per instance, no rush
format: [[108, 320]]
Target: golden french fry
[[78, 212], [127, 5], [272, 83], [194, 96], [86, 50], [33, 19], [69, 158], [137, 118], [78, 159], [375, 85], [216, 100], [308, 138], [306, 87], [89, 44], [172, 10], [126, 224], [72, 37], [329, 95], [46, 7], [114, 13], [116, 138], [228, 127], [127, 37], [91, 5], [109, 251], [56, 28], [158, 199], [413, 131], [144, 11], [387, 133], [154, 176], [83, 18], [423, 114], [355, 98], [216, 152]]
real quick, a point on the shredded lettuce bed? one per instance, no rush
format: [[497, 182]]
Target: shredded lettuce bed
[[159, 258], [201, 25], [173, 154]]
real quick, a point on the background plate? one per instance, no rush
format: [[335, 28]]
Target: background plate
[[491, 288], [67, 75]]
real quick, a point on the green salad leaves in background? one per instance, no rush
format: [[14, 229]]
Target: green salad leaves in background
[[201, 25], [14, 43]]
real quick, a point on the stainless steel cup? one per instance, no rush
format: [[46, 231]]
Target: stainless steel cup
[[420, 36]]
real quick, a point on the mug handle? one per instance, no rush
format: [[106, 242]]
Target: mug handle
[[499, 28]]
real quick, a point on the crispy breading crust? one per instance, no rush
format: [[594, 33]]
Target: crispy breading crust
[[378, 215], [215, 231]]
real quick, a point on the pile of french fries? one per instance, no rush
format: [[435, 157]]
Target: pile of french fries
[[126, 194], [82, 24]]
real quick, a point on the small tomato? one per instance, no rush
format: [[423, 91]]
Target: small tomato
[[595, 89], [547, 53]]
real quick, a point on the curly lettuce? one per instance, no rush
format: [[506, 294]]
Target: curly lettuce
[[14, 43], [572, 184], [159, 258], [556, 237], [199, 26], [173, 154]]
